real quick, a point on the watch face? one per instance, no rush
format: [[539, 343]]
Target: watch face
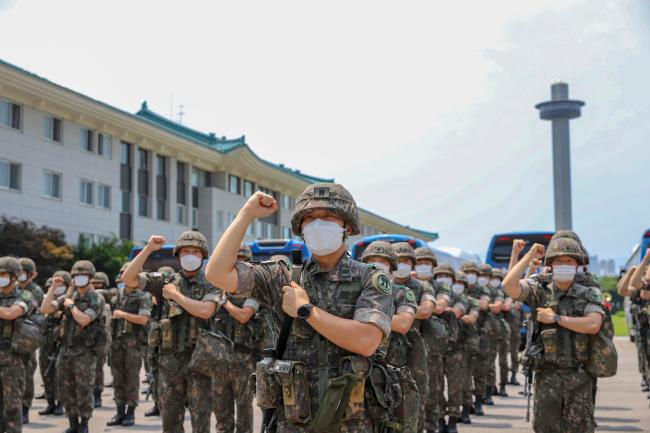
[[303, 312]]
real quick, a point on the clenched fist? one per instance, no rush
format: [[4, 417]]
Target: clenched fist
[[155, 243], [293, 297], [260, 205], [537, 251], [518, 245]]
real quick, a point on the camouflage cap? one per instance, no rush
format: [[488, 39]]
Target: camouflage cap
[[101, 277], [48, 282], [426, 253], [563, 247], [570, 234], [485, 269], [192, 239], [498, 273], [67, 278], [330, 196], [28, 265], [404, 249], [444, 269], [11, 265], [85, 267], [460, 278], [245, 254], [380, 249], [469, 266]]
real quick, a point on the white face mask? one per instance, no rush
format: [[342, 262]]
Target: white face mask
[[22, 278], [494, 283], [120, 285], [323, 237], [4, 281], [483, 281], [471, 278], [445, 280], [458, 289], [383, 266], [403, 271], [564, 273], [81, 280], [424, 271], [190, 262]]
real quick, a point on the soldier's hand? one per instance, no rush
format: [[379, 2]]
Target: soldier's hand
[[155, 243], [518, 245], [170, 291], [260, 205], [67, 301], [118, 314], [293, 297], [469, 319], [56, 282], [537, 251], [546, 315]]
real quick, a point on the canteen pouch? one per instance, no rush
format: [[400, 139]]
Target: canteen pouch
[[154, 339], [603, 359], [292, 376], [268, 391], [166, 335], [334, 403], [407, 411], [211, 349], [549, 340], [28, 334]]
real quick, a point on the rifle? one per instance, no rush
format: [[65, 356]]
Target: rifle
[[532, 351]]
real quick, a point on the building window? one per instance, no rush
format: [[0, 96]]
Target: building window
[[249, 188], [52, 128], [195, 218], [87, 140], [104, 196], [161, 165], [105, 146], [143, 159], [180, 214], [9, 175], [86, 192], [10, 114], [126, 201], [51, 184], [125, 152], [233, 184], [143, 205], [161, 211]]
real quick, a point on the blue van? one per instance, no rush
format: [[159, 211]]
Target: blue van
[[498, 253], [162, 257], [359, 247], [266, 248]]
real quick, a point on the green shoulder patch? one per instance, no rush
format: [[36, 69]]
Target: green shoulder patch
[[596, 297], [26, 296], [381, 282], [410, 296]]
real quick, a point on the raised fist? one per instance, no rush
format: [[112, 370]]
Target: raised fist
[[260, 205], [155, 242], [518, 245], [537, 251]]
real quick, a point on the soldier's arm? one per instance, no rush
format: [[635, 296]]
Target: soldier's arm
[[425, 309], [130, 274], [83, 318], [404, 317], [137, 319], [203, 309], [244, 314], [623, 286], [49, 305], [517, 246], [13, 312], [442, 298], [220, 270], [512, 281], [402, 322], [349, 334], [589, 324], [637, 278]]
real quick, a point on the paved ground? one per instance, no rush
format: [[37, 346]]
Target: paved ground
[[621, 407]]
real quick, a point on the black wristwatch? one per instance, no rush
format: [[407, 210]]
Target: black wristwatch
[[305, 311]]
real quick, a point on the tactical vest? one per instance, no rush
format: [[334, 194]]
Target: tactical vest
[[7, 326], [129, 303], [71, 334], [245, 337], [180, 329]]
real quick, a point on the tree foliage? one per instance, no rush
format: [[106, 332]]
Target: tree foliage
[[108, 256]]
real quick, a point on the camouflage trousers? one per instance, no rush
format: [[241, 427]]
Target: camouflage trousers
[[126, 360], [453, 371], [12, 383], [563, 402], [642, 350], [503, 350], [30, 369], [417, 362], [178, 387], [359, 425], [467, 366], [480, 363], [230, 391], [514, 347], [47, 367], [99, 371], [434, 409], [75, 380]]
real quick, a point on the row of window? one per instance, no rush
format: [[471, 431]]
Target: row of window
[[244, 187]]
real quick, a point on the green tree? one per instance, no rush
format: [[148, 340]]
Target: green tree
[[108, 256]]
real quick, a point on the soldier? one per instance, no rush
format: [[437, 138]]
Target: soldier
[[26, 282], [60, 282], [343, 310], [492, 329], [101, 285], [14, 303], [418, 360], [187, 303], [478, 361], [128, 341], [566, 313], [80, 333], [512, 315], [236, 321], [397, 350]]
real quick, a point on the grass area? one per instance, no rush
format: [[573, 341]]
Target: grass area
[[620, 327]]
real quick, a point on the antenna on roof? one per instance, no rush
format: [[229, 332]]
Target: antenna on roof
[[181, 113]]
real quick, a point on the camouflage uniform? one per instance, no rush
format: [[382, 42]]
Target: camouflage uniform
[[229, 383], [563, 389], [75, 364], [29, 267], [49, 350], [513, 317], [101, 279], [351, 290], [178, 386], [12, 367], [494, 330]]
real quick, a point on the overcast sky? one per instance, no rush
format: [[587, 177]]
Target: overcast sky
[[425, 112]]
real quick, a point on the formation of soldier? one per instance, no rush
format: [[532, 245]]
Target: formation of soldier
[[396, 342]]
